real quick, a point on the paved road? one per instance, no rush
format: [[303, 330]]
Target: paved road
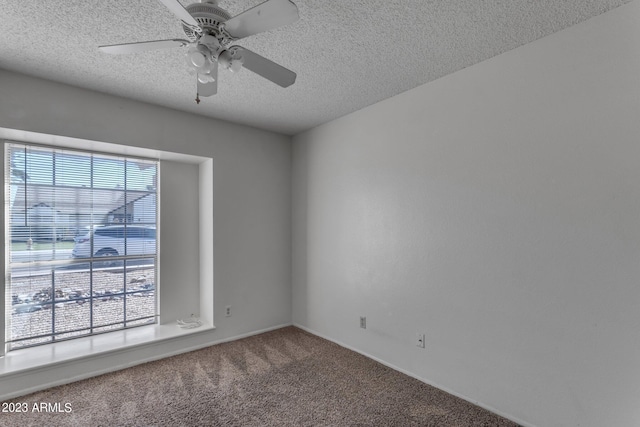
[[23, 261], [24, 266], [40, 255]]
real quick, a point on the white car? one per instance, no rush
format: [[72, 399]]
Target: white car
[[116, 240]]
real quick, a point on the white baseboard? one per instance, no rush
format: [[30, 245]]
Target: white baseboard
[[412, 375]]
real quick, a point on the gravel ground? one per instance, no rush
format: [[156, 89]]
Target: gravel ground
[[112, 295]]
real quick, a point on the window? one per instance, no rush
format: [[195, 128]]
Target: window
[[81, 246]]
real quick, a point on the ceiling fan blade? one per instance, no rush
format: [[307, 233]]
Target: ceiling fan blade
[[177, 9], [263, 17], [116, 49], [209, 88], [266, 68]]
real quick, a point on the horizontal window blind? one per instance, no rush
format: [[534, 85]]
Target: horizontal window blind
[[82, 243]]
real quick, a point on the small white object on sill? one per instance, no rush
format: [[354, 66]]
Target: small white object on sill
[[189, 323]]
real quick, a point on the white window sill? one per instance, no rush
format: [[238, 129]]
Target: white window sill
[[47, 355]]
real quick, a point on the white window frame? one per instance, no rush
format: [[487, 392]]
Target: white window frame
[[6, 311]]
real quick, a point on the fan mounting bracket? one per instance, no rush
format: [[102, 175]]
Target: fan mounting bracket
[[211, 19], [191, 29]]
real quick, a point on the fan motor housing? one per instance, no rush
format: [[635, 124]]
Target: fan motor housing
[[209, 16]]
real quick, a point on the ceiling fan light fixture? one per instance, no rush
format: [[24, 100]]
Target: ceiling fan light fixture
[[197, 56], [231, 61], [206, 78], [197, 59], [235, 65]]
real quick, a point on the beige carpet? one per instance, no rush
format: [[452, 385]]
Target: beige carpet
[[282, 378]]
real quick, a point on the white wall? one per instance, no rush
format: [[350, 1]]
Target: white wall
[[179, 258], [496, 210], [251, 212]]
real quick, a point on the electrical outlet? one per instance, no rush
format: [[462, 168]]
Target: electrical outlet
[[363, 322], [420, 340], [227, 312]]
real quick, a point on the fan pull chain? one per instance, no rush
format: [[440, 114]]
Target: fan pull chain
[[197, 98]]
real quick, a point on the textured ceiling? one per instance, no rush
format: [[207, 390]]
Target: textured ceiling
[[347, 53]]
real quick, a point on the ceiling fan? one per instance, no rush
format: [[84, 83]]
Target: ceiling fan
[[210, 30]]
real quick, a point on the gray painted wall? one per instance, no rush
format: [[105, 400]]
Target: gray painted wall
[[495, 210], [251, 206]]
